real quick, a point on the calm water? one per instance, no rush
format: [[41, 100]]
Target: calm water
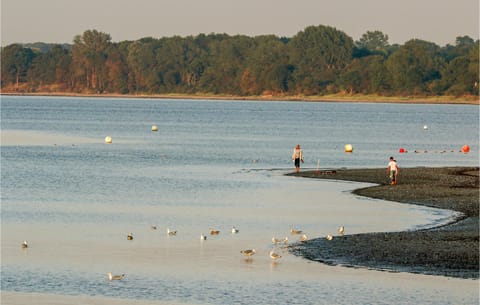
[[212, 164]]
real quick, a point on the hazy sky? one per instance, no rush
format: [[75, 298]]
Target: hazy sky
[[58, 21]]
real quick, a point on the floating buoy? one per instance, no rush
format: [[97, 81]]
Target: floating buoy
[[154, 128], [401, 150], [108, 139], [465, 149], [425, 127], [348, 148]]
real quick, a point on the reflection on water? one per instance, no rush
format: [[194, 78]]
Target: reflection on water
[[73, 258], [211, 165]]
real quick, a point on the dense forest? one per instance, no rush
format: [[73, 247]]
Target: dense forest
[[316, 61]]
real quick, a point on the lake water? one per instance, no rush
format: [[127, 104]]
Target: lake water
[[211, 165]]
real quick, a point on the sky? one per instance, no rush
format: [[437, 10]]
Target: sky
[[59, 21]]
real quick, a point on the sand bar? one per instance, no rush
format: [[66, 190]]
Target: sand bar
[[30, 138]]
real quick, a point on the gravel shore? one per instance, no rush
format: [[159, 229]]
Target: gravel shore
[[450, 250]]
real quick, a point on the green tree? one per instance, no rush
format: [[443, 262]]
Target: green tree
[[460, 76], [414, 66], [117, 68], [144, 75], [374, 42], [366, 75], [89, 54], [51, 67], [318, 53], [267, 67], [227, 58], [15, 63]]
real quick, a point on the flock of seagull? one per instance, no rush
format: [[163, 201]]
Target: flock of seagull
[[247, 252]]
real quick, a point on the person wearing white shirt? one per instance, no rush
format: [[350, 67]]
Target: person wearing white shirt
[[392, 171]]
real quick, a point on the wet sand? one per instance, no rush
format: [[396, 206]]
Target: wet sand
[[450, 250], [32, 138], [19, 298]]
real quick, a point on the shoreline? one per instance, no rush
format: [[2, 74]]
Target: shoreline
[[448, 250], [358, 98]]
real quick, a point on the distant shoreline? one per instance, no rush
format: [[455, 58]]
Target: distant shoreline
[[449, 250], [470, 100]]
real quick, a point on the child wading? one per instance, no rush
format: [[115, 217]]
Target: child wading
[[392, 171]]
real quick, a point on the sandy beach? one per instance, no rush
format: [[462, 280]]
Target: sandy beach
[[450, 250], [346, 98]]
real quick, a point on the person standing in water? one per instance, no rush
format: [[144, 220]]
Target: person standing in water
[[297, 157], [392, 171]]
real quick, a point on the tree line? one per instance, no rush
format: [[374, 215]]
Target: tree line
[[316, 61]]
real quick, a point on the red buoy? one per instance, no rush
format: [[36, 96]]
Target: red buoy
[[465, 149], [401, 150]]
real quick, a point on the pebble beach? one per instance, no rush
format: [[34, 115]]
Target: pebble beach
[[448, 250]]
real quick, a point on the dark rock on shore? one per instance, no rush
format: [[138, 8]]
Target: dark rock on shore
[[450, 250]]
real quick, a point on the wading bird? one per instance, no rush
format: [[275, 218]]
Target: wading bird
[[248, 252], [115, 277], [274, 255]]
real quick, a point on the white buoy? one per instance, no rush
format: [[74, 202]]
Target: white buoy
[[108, 139], [154, 128], [348, 148], [425, 127]]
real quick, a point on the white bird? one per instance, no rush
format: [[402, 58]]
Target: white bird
[[130, 236], [275, 240], [248, 252], [295, 231], [115, 277], [341, 230], [329, 237], [285, 240], [171, 233], [303, 237], [24, 244], [234, 230], [203, 237], [274, 255]]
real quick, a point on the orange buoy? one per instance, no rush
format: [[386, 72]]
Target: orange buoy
[[348, 148], [465, 149]]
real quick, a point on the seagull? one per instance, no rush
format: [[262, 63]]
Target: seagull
[[234, 230], [153, 227], [303, 237], [274, 255], [115, 277], [203, 237], [294, 231], [171, 233], [329, 237], [341, 230], [214, 232], [248, 252], [24, 244], [277, 241], [130, 236]]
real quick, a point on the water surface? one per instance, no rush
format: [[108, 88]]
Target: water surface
[[212, 164]]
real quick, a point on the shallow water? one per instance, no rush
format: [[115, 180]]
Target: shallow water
[[211, 165]]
